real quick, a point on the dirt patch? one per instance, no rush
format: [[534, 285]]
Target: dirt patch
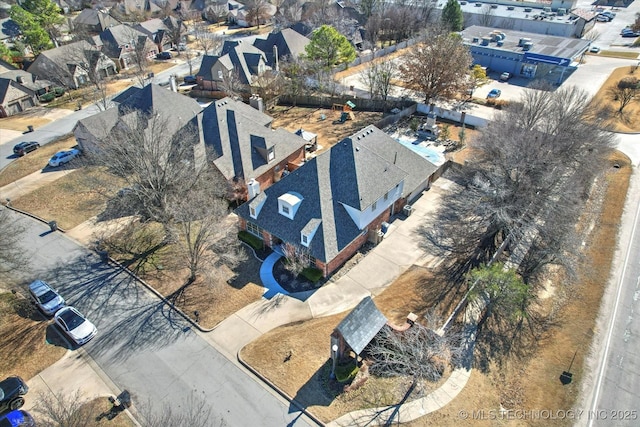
[[34, 161], [311, 120], [628, 120], [517, 385], [27, 342]]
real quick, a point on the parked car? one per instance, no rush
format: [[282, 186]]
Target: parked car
[[190, 80], [25, 147], [62, 157], [603, 18], [494, 93], [12, 390], [163, 55], [17, 418], [594, 49], [505, 76], [608, 14], [75, 325], [631, 34], [45, 298]]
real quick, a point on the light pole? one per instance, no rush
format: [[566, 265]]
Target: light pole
[[334, 356]]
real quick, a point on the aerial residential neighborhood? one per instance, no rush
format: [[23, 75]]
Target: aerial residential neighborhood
[[319, 213]]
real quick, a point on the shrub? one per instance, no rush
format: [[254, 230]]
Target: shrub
[[312, 274], [58, 91], [345, 373], [251, 240], [47, 97], [628, 82]]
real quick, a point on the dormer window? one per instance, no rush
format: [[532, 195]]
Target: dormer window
[[308, 231], [305, 240], [252, 212], [289, 203]]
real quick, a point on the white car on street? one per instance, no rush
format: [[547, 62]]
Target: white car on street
[[45, 297], [75, 325], [62, 157]]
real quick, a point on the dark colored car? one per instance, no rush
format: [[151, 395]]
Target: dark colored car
[[11, 391], [190, 80], [18, 418], [163, 55], [631, 34], [25, 147]]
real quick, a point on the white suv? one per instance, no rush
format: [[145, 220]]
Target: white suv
[[46, 298], [63, 157]]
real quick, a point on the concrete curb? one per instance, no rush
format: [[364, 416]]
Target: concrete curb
[[278, 390]]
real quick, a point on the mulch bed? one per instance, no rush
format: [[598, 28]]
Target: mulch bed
[[292, 283]]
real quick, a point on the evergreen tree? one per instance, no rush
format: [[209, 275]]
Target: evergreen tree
[[452, 16], [329, 48], [33, 33]]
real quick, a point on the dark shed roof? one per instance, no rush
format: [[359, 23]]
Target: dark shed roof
[[361, 325]]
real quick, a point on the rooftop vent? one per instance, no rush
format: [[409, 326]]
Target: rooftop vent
[[562, 11], [510, 8], [500, 43], [478, 4], [475, 40], [485, 41], [527, 9], [546, 9], [527, 46], [463, 3], [494, 6]]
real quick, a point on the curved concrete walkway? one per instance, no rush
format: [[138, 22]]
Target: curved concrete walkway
[[399, 250], [266, 276]]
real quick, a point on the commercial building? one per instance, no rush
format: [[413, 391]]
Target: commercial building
[[523, 54]]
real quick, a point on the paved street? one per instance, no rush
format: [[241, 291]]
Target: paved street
[[144, 346]]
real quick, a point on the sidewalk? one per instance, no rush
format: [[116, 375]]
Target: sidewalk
[[393, 256]]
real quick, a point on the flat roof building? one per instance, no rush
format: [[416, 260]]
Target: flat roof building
[[524, 54]]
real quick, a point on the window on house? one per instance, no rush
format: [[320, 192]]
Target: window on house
[[305, 239], [220, 76], [252, 212], [271, 156], [386, 196], [374, 206], [254, 229], [285, 210]]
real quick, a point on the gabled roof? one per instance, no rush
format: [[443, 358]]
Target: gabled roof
[[417, 167], [347, 175], [244, 57], [208, 61], [178, 109], [154, 29], [238, 132], [119, 35], [289, 43], [6, 85], [29, 80], [94, 17], [361, 325]]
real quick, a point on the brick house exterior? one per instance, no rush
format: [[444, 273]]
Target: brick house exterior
[[338, 200]]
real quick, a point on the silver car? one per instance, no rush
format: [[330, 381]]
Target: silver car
[[45, 297], [75, 325]]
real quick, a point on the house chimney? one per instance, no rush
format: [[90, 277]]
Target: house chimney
[[275, 57], [19, 79], [172, 83], [256, 102]]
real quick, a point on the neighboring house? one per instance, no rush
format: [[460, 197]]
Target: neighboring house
[[19, 90], [9, 31], [245, 146], [283, 44], [159, 31], [128, 7], [119, 44], [69, 65], [238, 14], [94, 21], [338, 200], [244, 59], [178, 111], [239, 138]]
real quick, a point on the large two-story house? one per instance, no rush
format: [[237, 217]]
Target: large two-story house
[[338, 200]]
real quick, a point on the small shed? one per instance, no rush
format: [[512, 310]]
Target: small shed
[[311, 138], [358, 328]]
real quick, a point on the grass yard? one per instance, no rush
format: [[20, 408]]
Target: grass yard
[[628, 121], [21, 121], [616, 54], [28, 342], [35, 160], [72, 199], [519, 384]]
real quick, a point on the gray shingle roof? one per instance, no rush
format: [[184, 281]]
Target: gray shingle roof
[[208, 62], [361, 325], [348, 174], [244, 57], [289, 43], [235, 130], [28, 80], [417, 167]]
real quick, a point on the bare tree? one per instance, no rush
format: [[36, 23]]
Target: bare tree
[[378, 77], [486, 16], [167, 163], [297, 258], [193, 411], [527, 184], [11, 253], [205, 40], [295, 72], [268, 85], [592, 35], [624, 93], [418, 353], [138, 55], [257, 11], [58, 409], [437, 66], [176, 31], [198, 224], [232, 85]]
